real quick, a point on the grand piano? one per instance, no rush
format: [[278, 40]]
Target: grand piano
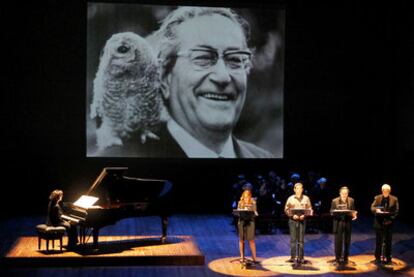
[[120, 197]]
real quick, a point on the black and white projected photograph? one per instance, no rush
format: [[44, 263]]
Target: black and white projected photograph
[[184, 81]]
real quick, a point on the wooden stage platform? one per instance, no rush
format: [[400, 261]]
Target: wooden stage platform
[[112, 251], [214, 236]]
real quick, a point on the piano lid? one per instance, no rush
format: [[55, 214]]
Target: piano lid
[[111, 186], [107, 171]]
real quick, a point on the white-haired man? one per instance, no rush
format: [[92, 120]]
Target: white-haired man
[[386, 208], [205, 62]]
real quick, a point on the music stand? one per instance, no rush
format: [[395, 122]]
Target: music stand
[[383, 215], [244, 214], [299, 212], [342, 212], [337, 213]]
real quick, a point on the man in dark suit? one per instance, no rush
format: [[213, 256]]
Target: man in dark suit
[[385, 208], [342, 225], [168, 147]]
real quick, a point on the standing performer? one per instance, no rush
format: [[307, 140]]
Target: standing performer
[[342, 225], [246, 228], [386, 208], [297, 223]]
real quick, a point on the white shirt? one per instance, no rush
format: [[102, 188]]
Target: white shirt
[[195, 149], [293, 202]]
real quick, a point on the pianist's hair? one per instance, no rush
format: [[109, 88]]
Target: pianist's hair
[[55, 195]]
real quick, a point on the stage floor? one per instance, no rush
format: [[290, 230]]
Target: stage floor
[[216, 238], [112, 251]]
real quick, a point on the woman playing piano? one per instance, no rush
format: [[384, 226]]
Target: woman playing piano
[[54, 213], [246, 227]]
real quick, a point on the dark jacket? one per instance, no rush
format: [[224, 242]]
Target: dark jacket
[[393, 209], [167, 147], [334, 206], [53, 214]]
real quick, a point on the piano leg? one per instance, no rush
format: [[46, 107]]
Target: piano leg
[[164, 222], [82, 235], [95, 233]]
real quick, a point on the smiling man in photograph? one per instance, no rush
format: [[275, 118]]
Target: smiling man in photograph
[[205, 62]]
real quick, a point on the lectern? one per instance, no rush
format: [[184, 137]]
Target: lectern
[[244, 214], [299, 212], [383, 213], [343, 212]]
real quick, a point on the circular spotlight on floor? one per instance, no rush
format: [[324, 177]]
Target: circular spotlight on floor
[[232, 266], [396, 266], [357, 264], [311, 266]]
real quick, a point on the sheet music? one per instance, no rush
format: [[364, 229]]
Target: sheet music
[[86, 201]]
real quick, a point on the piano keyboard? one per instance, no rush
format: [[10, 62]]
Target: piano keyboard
[[71, 218]]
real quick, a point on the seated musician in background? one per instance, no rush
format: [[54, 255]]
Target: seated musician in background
[[342, 225], [322, 194], [54, 213], [246, 228]]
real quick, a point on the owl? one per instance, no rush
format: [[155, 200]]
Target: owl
[[126, 98]]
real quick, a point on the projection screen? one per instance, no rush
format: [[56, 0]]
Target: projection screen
[[184, 82]]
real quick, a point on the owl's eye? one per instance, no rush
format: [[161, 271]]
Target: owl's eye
[[123, 49]]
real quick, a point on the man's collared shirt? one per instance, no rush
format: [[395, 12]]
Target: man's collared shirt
[[195, 149], [294, 202]]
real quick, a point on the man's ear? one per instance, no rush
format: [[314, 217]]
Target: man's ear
[[165, 86]]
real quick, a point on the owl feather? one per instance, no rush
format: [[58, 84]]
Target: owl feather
[[126, 88]]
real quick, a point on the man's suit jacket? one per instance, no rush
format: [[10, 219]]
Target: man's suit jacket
[[167, 147], [334, 206], [393, 208]]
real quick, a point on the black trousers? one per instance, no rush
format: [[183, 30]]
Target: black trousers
[[72, 232], [343, 239], [383, 238], [297, 237]]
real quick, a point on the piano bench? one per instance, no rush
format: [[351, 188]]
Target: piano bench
[[50, 233]]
